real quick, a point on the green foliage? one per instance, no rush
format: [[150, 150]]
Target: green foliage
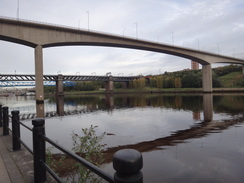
[[215, 80], [80, 86], [118, 85], [84, 86], [221, 71], [192, 80], [138, 83], [233, 79], [168, 82], [177, 82], [88, 146], [157, 81], [49, 89]]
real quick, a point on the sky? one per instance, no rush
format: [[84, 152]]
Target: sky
[[210, 25]]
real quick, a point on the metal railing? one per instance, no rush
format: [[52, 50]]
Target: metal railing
[[126, 162]]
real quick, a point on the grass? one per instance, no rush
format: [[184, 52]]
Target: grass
[[231, 80]]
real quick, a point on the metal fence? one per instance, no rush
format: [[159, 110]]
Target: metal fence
[[126, 162]]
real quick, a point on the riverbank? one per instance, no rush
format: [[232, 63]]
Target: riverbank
[[157, 90]]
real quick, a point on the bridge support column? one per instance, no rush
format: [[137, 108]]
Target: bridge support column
[[39, 78], [242, 69], [109, 85], [59, 86], [208, 107], [207, 78], [60, 105]]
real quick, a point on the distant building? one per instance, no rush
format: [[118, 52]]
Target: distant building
[[194, 65]]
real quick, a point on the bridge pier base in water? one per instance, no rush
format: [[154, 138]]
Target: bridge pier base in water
[[207, 78], [109, 85], [208, 107], [59, 86]]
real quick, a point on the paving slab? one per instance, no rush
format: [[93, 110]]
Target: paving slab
[[8, 164], [16, 166]]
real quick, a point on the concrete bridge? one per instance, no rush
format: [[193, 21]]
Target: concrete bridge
[[39, 36]]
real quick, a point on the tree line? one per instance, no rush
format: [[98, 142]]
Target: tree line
[[186, 78], [179, 79]]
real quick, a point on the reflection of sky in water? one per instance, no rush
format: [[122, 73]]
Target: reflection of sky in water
[[216, 157], [27, 104], [129, 126]]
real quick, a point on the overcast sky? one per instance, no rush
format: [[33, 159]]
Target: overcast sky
[[209, 25]]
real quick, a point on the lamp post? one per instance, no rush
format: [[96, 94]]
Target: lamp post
[[88, 18], [79, 23], [172, 37], [136, 31], [18, 10]]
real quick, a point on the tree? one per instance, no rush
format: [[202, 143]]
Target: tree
[[178, 83], [191, 80]]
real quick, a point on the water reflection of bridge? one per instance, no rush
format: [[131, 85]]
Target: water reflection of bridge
[[110, 104], [26, 116], [196, 131]]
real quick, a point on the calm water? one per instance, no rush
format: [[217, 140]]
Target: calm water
[[183, 138]]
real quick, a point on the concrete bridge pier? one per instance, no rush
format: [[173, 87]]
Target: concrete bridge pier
[[242, 69], [207, 78], [60, 105], [109, 85], [39, 80], [59, 86], [208, 107]]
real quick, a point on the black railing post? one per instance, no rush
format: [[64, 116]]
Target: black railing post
[[5, 121], [15, 131], [1, 116], [128, 164], [39, 150]]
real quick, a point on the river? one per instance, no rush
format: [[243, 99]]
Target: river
[[182, 137]]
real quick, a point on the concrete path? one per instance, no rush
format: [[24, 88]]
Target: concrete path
[[9, 162], [4, 176], [16, 166]]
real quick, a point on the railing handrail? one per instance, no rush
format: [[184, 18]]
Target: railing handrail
[[84, 162], [125, 169]]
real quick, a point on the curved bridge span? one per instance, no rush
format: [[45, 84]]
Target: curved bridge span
[[39, 36], [33, 34]]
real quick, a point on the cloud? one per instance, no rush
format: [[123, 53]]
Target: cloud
[[210, 25]]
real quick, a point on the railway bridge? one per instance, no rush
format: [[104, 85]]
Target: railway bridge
[[61, 80]]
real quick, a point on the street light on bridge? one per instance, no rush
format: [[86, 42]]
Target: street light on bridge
[[88, 18], [136, 31]]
